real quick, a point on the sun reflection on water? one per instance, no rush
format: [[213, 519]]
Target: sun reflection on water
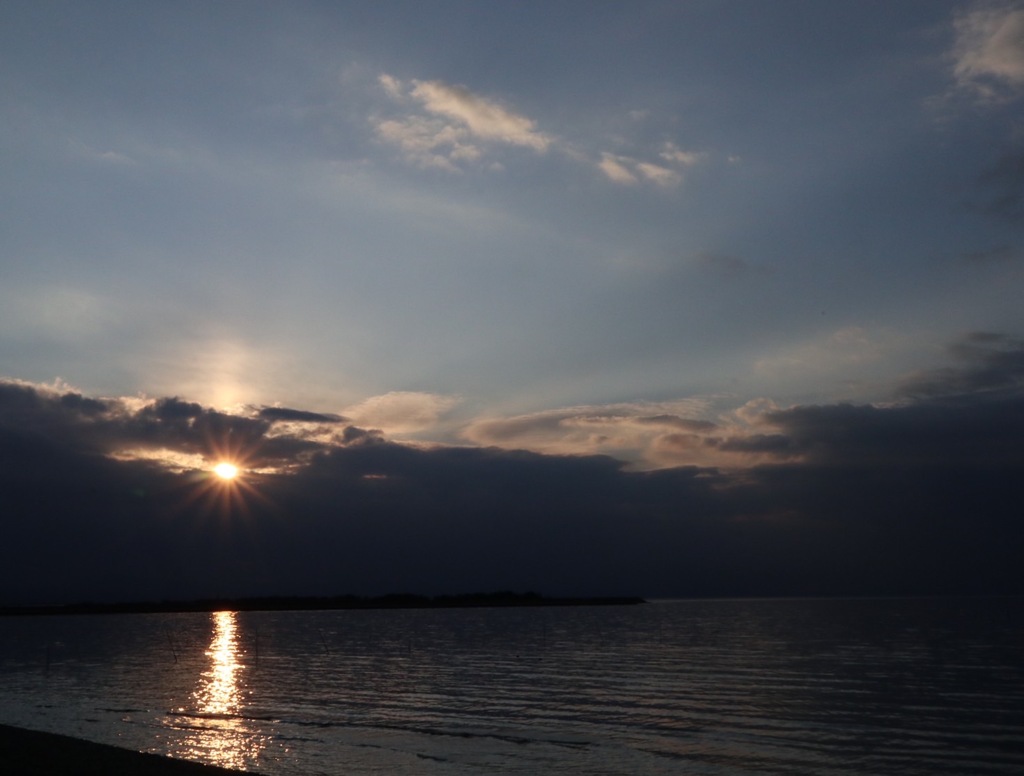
[[220, 734], [219, 694]]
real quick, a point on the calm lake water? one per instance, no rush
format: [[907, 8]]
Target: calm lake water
[[909, 686]]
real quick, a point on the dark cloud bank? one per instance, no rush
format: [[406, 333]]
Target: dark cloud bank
[[923, 496]]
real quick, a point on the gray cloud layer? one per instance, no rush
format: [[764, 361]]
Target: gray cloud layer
[[918, 497]]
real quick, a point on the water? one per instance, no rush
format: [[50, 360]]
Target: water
[[914, 686]]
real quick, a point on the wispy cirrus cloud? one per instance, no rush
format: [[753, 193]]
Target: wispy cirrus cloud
[[629, 171], [989, 50], [617, 168], [668, 173], [449, 127], [427, 142], [484, 118]]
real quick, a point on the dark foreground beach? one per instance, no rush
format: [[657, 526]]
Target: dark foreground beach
[[30, 753]]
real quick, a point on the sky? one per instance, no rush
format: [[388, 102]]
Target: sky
[[657, 298]]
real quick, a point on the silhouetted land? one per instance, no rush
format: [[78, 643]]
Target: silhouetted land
[[307, 603], [31, 753]]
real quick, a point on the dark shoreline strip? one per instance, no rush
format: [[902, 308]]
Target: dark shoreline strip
[[32, 753], [301, 603]]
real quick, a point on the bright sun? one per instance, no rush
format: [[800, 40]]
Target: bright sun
[[226, 471]]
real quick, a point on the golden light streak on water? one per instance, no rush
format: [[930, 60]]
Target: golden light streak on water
[[222, 734], [219, 696]]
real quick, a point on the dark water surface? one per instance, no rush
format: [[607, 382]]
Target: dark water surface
[[866, 686]]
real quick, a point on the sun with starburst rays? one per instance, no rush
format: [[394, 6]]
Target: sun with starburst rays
[[229, 484]]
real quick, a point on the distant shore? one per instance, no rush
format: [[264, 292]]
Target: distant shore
[[32, 753], [310, 603]]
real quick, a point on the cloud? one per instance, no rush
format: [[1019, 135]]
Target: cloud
[[663, 176], [276, 414], [483, 118], [430, 143], [989, 50], [401, 412], [448, 127], [629, 170], [920, 496], [453, 126], [960, 416], [391, 85], [649, 435], [929, 412], [848, 434], [169, 429], [617, 168], [988, 362], [675, 155]]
